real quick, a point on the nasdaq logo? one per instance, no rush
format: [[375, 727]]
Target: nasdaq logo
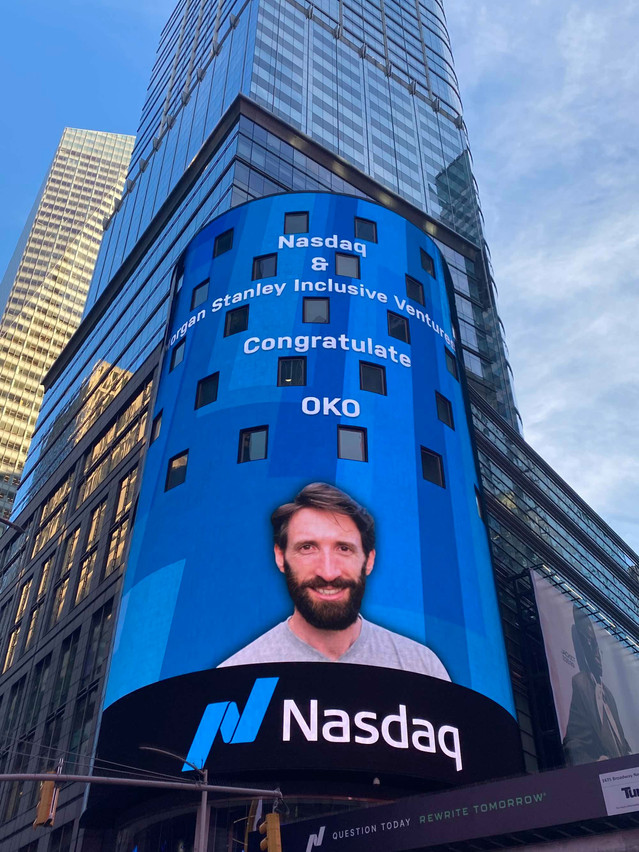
[[234, 727], [315, 839]]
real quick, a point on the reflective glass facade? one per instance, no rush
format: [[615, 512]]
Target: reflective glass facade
[[374, 85], [373, 82], [537, 522], [128, 321], [59, 592], [248, 100], [47, 282]]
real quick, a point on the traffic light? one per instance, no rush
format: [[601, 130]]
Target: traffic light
[[47, 804], [271, 828]]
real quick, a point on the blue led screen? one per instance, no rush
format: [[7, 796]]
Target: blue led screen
[[309, 348]]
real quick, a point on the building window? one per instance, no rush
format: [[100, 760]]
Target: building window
[[236, 320], [444, 410], [296, 223], [95, 525], [82, 726], [32, 628], [479, 504], [264, 266], [37, 690], [125, 493], [176, 471], [70, 547], [223, 243], [206, 391], [16, 789], [428, 264], [23, 600], [52, 734], [64, 677], [352, 443], [84, 580], [177, 355], [200, 294], [98, 645], [291, 371], [316, 309], [347, 264], [60, 840], [59, 597], [372, 377], [415, 290], [115, 555], [156, 426], [398, 327], [5, 617], [14, 705], [253, 444], [451, 364], [10, 656], [432, 467], [473, 363], [365, 230]]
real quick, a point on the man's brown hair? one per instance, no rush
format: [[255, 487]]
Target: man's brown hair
[[325, 498]]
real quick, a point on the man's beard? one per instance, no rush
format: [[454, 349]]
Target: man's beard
[[326, 615]]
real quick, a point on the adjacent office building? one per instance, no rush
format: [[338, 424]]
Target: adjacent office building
[[43, 291], [247, 100]]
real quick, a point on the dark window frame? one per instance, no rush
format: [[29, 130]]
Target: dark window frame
[[427, 262], [405, 324], [289, 358], [296, 213], [179, 347], [451, 363], [439, 480], [218, 241], [414, 283], [214, 380], [378, 368], [182, 454], [196, 290], [241, 445], [359, 219], [443, 403], [244, 310], [257, 274], [156, 427], [307, 299], [362, 431], [342, 254]]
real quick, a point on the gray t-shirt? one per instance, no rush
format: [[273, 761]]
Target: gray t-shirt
[[375, 646]]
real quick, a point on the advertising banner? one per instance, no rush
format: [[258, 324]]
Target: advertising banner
[[310, 497], [595, 679], [493, 810]]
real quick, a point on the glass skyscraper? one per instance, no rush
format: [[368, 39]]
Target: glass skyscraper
[[44, 289], [249, 99], [379, 97]]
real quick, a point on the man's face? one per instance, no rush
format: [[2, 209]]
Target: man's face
[[325, 568]]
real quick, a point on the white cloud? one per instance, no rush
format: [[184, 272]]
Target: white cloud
[[550, 94]]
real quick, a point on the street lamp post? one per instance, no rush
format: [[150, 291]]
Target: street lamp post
[[201, 821]]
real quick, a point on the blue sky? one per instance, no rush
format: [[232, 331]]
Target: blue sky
[[549, 93]]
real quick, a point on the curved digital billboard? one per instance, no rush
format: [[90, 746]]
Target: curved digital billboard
[[309, 497]]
